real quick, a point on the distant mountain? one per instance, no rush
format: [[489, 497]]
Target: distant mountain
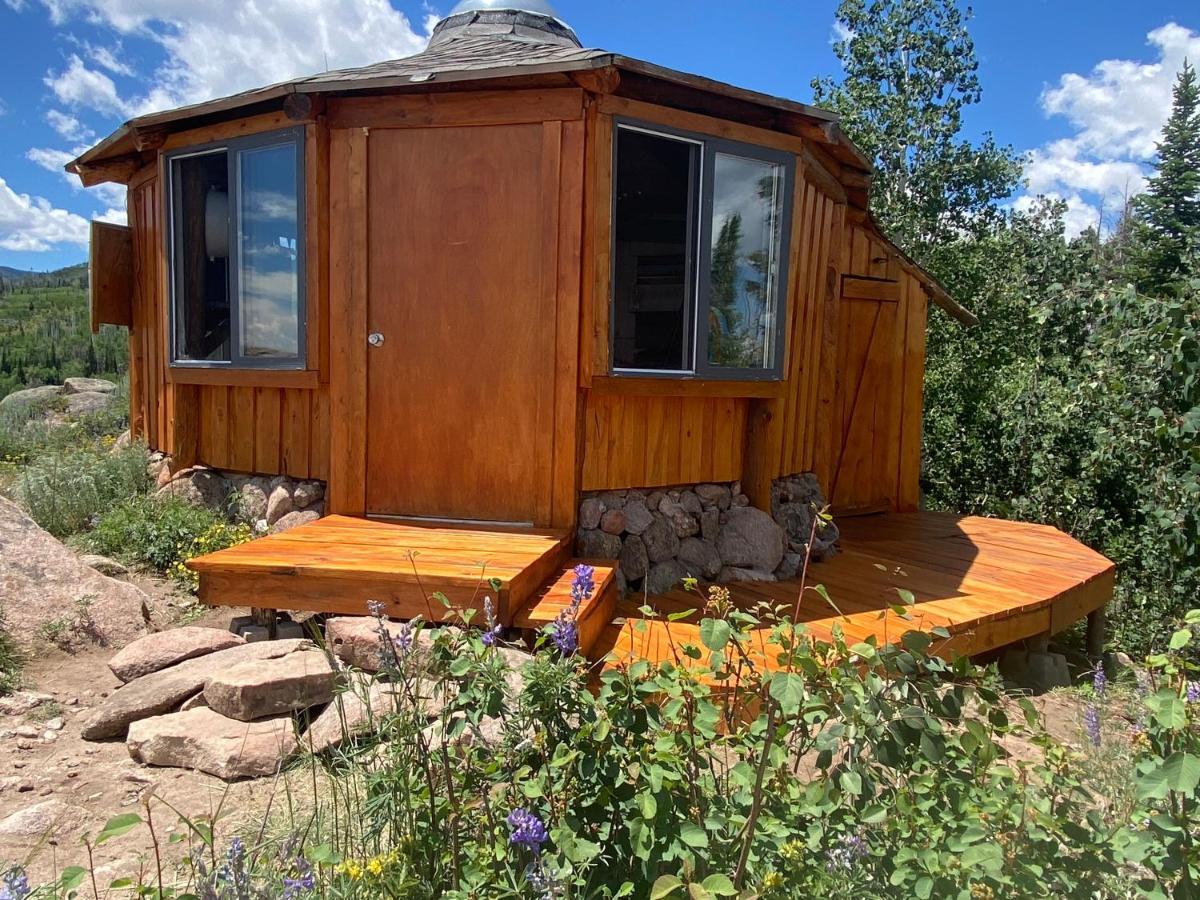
[[8, 273]]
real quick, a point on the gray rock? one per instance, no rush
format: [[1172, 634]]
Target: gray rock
[[269, 687], [750, 539], [660, 539], [664, 576], [251, 502], [635, 562], [88, 386], [592, 543], [162, 691], [307, 493], [622, 584], [740, 500], [637, 516], [279, 504], [710, 524], [86, 403], [590, 511], [41, 580], [1035, 670], [204, 740], [714, 495], [654, 500], [790, 567], [103, 564], [166, 648], [31, 396], [200, 487], [356, 641], [40, 820], [613, 522], [700, 558], [690, 503], [355, 711], [612, 499], [295, 519], [733, 574]]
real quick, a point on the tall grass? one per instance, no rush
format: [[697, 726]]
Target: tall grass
[[66, 491]]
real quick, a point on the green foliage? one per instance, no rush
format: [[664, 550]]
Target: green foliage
[[66, 491], [10, 660], [162, 533]]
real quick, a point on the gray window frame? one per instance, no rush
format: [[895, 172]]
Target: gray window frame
[[699, 259], [233, 149]]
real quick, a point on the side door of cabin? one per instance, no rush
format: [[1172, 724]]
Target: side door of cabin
[[457, 251]]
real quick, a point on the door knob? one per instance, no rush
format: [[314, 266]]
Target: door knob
[[375, 339]]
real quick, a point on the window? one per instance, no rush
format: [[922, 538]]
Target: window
[[237, 253], [700, 237]]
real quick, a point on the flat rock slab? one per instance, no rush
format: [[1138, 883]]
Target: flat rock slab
[[163, 691], [355, 640], [41, 580], [88, 385], [268, 687], [207, 741], [354, 711], [39, 820], [158, 651]]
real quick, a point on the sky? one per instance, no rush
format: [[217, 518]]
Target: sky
[[1081, 86]]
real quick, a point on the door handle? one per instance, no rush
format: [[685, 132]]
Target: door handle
[[375, 339]]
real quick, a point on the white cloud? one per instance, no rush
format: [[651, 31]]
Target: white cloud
[[1117, 112], [49, 159], [114, 215], [52, 160], [15, 5], [216, 49], [107, 58], [68, 126], [840, 32], [32, 224]]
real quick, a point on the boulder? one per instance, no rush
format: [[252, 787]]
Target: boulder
[[308, 493], [714, 495], [634, 561], [700, 558], [613, 522], [166, 648], [710, 524], [353, 712], [268, 687], [200, 487], [41, 580], [740, 500], [103, 564], [637, 516], [664, 577], [31, 396], [591, 543], [732, 574], [162, 691], [660, 539], [750, 539], [39, 820], [279, 504], [689, 501], [590, 511], [251, 502], [295, 519], [86, 403], [790, 567], [207, 741], [88, 386], [612, 499], [355, 640]]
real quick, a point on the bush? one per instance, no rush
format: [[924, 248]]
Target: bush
[[10, 661], [163, 532], [66, 491]]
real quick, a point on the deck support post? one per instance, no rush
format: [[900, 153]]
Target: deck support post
[[1096, 632], [267, 618]]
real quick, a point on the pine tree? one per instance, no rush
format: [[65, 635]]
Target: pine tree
[[1169, 211], [90, 366]]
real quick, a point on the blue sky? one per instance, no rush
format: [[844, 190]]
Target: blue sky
[[1083, 86]]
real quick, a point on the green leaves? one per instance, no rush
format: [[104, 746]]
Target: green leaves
[[715, 633], [1178, 773], [787, 689], [665, 886], [117, 826]]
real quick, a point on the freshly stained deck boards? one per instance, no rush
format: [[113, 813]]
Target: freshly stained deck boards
[[594, 614], [339, 563], [988, 582]]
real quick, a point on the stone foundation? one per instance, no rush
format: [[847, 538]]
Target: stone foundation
[[269, 503], [705, 531]]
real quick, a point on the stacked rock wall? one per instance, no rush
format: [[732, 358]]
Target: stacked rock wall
[[706, 531]]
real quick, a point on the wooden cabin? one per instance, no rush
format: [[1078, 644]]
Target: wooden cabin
[[471, 287]]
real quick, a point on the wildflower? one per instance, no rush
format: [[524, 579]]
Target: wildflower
[[582, 584], [1099, 682], [849, 850], [302, 880], [375, 867], [403, 640], [376, 608], [1091, 721], [527, 830], [14, 885], [350, 868], [792, 852], [565, 633], [1193, 692], [772, 881], [233, 872], [492, 634]]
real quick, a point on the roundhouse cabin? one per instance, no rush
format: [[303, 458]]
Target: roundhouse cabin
[[508, 283]]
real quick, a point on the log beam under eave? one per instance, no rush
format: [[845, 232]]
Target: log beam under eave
[[119, 170]]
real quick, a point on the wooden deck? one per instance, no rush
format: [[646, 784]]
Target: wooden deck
[[339, 563], [988, 582]]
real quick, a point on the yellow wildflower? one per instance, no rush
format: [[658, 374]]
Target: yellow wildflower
[[375, 866], [792, 851], [772, 881]]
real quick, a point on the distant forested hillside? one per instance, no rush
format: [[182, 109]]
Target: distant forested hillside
[[44, 331]]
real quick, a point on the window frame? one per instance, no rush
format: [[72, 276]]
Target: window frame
[[233, 149], [701, 201]]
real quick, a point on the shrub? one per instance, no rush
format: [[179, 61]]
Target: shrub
[[66, 491], [10, 661], [162, 532]]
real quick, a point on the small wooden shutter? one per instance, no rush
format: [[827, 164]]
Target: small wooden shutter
[[110, 275]]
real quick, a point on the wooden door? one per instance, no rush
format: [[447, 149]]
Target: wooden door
[[461, 283]]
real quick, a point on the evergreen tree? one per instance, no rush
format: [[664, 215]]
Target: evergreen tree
[[725, 344], [91, 366], [1168, 213]]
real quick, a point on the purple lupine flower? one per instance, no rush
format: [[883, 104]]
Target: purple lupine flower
[[494, 628], [1091, 721], [376, 608], [527, 830], [564, 632], [403, 639], [15, 885], [849, 850], [1099, 682], [583, 583], [1192, 695], [233, 872], [302, 880]]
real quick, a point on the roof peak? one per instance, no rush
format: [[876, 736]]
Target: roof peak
[[532, 21]]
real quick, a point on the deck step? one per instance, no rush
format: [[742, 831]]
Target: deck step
[[595, 613]]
